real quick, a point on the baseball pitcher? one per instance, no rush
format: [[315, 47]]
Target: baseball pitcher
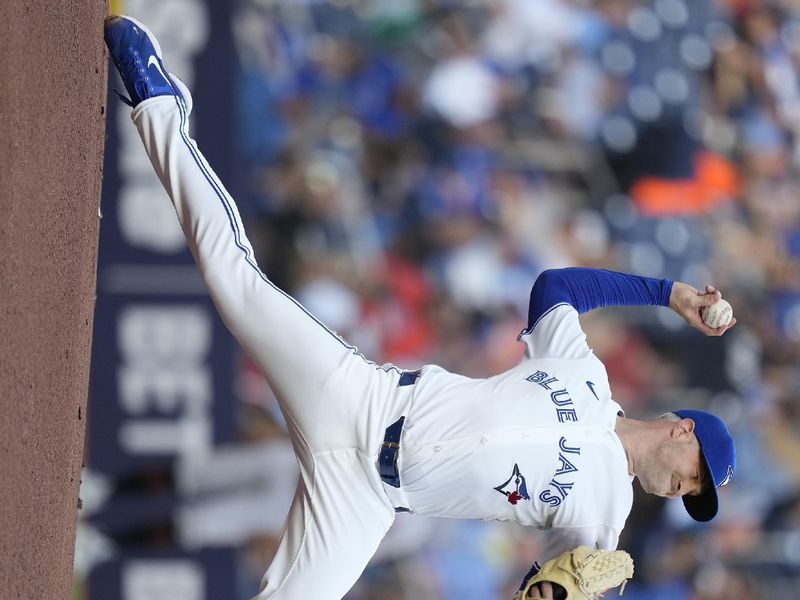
[[542, 444]]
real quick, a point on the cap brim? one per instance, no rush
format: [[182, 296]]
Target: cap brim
[[705, 506]]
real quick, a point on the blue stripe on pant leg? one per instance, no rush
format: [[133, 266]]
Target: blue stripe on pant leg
[[218, 190]]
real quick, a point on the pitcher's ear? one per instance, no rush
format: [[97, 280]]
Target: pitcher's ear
[[683, 427]]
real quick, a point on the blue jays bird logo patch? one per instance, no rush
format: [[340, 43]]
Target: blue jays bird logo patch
[[514, 488]]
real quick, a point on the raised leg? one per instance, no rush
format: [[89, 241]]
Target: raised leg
[[296, 352]]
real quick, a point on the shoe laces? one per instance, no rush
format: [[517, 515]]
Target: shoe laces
[[132, 61]]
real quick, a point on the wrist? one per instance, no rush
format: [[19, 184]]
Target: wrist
[[674, 294]]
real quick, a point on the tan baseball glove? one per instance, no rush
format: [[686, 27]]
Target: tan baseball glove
[[584, 573]]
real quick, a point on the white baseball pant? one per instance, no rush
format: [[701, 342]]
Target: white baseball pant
[[337, 404]]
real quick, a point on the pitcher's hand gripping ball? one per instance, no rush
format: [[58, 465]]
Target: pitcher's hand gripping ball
[[584, 573], [718, 314]]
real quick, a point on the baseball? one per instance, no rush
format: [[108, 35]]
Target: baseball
[[718, 314]]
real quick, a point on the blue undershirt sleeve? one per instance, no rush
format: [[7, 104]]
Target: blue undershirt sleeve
[[535, 568], [586, 289]]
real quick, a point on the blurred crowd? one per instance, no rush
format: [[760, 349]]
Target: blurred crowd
[[412, 166], [407, 169]]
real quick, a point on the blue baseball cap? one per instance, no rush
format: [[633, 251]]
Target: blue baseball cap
[[719, 453]]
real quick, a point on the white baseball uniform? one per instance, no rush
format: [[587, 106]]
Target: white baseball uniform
[[535, 444]]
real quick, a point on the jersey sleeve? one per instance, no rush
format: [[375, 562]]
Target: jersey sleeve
[[560, 295], [556, 334]]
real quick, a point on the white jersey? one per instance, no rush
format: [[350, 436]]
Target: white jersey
[[535, 444]]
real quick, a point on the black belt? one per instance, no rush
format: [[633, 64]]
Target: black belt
[[390, 449], [408, 378]]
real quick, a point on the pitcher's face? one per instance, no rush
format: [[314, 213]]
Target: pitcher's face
[[675, 469]]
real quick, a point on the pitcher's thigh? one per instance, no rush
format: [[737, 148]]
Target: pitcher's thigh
[[336, 522], [295, 351]]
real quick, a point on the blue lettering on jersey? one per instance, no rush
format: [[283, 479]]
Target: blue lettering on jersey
[[541, 378], [559, 397], [563, 395], [516, 492], [566, 414], [562, 443], [558, 489], [566, 466]]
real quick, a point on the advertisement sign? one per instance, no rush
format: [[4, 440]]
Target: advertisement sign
[[204, 575], [162, 364]]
